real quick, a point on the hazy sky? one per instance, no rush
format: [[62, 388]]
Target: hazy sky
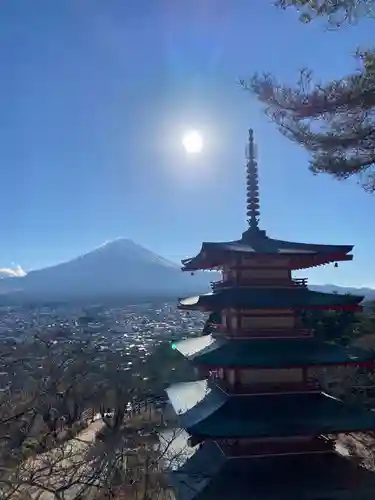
[[95, 96]]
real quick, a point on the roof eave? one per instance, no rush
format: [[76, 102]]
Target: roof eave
[[213, 258]]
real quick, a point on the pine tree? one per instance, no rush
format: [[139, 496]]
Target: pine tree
[[337, 12], [334, 122]]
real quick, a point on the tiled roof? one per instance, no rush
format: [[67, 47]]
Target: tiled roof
[[207, 475], [204, 410], [256, 241], [269, 353]]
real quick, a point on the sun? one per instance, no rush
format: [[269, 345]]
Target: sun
[[192, 142]]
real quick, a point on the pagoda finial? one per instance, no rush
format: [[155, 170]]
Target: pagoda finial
[[252, 181]]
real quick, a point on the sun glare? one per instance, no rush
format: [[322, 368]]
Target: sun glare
[[192, 142]]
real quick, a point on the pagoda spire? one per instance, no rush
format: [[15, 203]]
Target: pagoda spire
[[252, 182]]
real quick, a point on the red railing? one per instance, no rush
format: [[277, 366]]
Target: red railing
[[297, 282], [264, 333], [300, 282], [308, 386]]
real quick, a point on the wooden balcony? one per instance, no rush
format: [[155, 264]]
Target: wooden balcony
[[259, 283], [269, 448], [302, 282], [263, 333], [263, 388]]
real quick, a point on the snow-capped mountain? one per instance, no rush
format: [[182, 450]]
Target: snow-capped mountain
[[117, 267], [122, 267]]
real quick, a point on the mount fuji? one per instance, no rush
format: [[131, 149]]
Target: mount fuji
[[119, 267], [122, 268]]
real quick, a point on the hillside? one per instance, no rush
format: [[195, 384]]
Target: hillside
[[367, 293]]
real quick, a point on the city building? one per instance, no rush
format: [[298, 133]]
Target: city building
[[258, 422]]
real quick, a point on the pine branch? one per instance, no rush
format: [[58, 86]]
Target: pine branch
[[337, 12], [334, 122]]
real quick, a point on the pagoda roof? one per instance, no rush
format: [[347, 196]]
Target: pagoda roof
[[270, 353], [255, 241], [207, 412], [265, 298], [207, 474]]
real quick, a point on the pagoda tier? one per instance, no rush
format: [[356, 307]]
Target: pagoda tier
[[259, 425], [255, 246], [207, 474], [213, 352], [270, 298], [206, 412]]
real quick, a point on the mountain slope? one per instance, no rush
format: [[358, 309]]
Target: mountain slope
[[118, 267], [121, 267], [368, 293]]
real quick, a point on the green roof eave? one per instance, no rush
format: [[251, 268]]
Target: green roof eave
[[270, 353], [205, 474], [261, 298], [206, 412]]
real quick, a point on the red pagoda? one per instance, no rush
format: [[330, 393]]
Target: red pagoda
[[258, 424]]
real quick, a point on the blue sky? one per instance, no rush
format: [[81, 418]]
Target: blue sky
[[95, 96]]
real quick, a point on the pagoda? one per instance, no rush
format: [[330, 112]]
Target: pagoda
[[258, 425]]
